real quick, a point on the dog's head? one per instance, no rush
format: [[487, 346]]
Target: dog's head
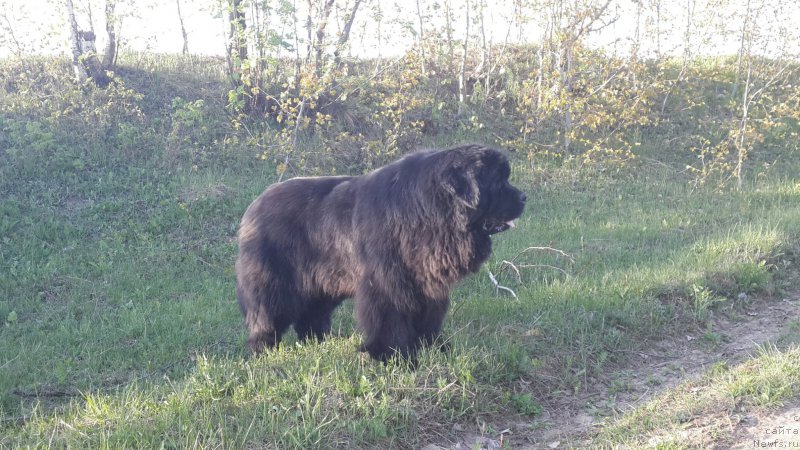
[[478, 177]]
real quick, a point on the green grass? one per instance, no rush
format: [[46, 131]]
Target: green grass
[[712, 403], [119, 325]]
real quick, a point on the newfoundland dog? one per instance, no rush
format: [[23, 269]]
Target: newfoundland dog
[[397, 240]]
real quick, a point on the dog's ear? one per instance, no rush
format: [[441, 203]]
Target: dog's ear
[[461, 183]]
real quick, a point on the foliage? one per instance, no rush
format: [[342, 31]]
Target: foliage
[[358, 124], [51, 123], [193, 133], [598, 111], [718, 104], [607, 102]]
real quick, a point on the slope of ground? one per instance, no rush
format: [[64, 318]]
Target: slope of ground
[[666, 368]]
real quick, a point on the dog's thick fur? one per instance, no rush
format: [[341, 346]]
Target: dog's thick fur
[[397, 240]]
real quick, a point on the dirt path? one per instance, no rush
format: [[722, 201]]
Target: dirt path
[[779, 429], [573, 422]]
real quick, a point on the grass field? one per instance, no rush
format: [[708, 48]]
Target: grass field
[[119, 325]]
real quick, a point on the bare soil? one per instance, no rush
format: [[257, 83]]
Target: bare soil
[[571, 421]]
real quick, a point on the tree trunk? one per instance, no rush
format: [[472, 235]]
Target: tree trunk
[[481, 71], [421, 38], [345, 36], [449, 33], [462, 71], [185, 36], [75, 43], [658, 29], [298, 62], [85, 63], [484, 50], [320, 37], [309, 27], [741, 55], [237, 41], [237, 45], [110, 53], [379, 31], [237, 54], [636, 44], [89, 13]]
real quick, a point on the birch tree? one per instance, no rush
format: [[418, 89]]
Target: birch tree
[[85, 63], [463, 68], [184, 35], [110, 53]]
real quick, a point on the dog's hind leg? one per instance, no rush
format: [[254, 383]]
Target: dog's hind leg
[[267, 313]]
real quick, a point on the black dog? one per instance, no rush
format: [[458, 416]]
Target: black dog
[[397, 239]]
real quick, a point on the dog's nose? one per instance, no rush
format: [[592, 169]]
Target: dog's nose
[[522, 197]]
